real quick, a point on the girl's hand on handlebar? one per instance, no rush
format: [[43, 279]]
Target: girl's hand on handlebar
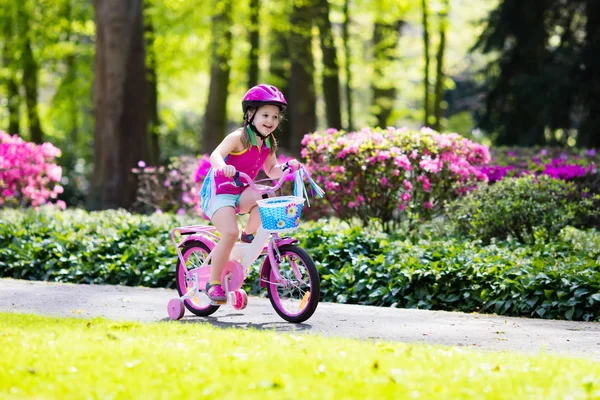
[[293, 165], [228, 170]]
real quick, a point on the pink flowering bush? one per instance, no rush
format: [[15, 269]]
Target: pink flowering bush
[[392, 174], [172, 188], [28, 173]]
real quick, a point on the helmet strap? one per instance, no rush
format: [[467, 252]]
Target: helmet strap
[[250, 123], [252, 130]]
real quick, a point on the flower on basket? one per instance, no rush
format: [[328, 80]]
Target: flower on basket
[[297, 221], [291, 210], [280, 224]]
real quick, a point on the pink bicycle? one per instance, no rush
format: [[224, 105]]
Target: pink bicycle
[[288, 272]]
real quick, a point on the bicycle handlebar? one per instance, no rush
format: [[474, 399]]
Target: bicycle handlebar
[[250, 182]]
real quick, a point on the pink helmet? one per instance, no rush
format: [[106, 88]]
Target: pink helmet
[[263, 94]]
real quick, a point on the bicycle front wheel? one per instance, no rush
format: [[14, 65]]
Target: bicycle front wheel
[[295, 299]]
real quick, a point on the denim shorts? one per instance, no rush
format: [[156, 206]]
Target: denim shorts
[[223, 200]]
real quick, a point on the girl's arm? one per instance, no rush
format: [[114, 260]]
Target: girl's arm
[[273, 169], [231, 143]]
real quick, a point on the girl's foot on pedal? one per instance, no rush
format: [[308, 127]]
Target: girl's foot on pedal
[[215, 292]]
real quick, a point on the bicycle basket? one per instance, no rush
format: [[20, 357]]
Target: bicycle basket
[[280, 214]]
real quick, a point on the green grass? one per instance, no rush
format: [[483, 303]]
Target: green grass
[[53, 358]]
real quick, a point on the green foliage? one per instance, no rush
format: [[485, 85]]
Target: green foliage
[[553, 280], [583, 241], [110, 247], [527, 208], [557, 280]]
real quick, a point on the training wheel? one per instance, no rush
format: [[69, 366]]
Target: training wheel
[[175, 309], [241, 299]]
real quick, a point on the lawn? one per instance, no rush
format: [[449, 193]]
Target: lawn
[[60, 358]]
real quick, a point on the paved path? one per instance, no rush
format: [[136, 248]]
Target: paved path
[[483, 332]]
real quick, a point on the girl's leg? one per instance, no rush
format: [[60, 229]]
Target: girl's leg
[[225, 221], [248, 204]]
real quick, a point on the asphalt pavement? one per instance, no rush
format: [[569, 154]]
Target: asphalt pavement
[[478, 331]]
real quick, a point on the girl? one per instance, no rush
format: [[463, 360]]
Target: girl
[[247, 149]]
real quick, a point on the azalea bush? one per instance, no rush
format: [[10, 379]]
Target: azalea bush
[[29, 175], [171, 188], [392, 174], [557, 162]]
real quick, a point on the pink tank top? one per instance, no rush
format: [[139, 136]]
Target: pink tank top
[[249, 161]]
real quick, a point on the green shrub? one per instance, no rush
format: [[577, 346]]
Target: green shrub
[[584, 241], [108, 247], [526, 208], [557, 280], [547, 280]]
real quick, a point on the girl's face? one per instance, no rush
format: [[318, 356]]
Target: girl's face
[[266, 119]]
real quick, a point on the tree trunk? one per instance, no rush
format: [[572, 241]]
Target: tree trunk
[[10, 77], [348, 63], [254, 40], [302, 100], [589, 135], [30, 84], [30, 71], [426, 54], [120, 101], [439, 83], [70, 79], [215, 118], [385, 40], [279, 67], [331, 82], [153, 151]]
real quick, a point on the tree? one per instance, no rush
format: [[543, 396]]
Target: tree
[[215, 118], [153, 151], [254, 40], [385, 40], [30, 70], [302, 98], [331, 82], [9, 75], [280, 64], [347, 65], [425, 11], [516, 105], [120, 99], [439, 82], [589, 135]]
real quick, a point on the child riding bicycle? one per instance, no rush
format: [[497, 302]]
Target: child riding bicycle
[[247, 149]]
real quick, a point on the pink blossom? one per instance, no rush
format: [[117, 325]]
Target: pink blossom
[[428, 205]]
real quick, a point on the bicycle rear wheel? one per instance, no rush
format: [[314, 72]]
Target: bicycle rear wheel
[[194, 253], [295, 299]]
